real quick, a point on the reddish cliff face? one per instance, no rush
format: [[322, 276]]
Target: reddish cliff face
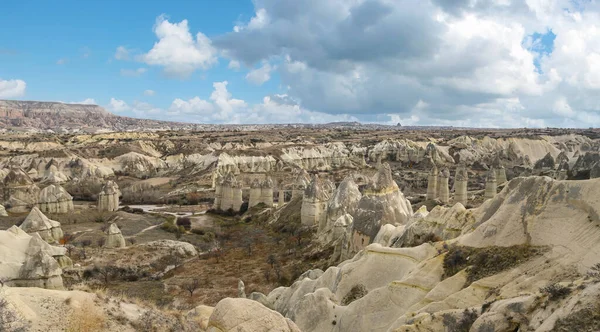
[[35, 115]]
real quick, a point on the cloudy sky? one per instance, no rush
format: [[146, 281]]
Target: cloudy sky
[[478, 63]]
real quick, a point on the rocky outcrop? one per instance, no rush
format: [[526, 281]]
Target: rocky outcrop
[[491, 185], [382, 203], [461, 181], [261, 192], [314, 204], [247, 315], [432, 183], [442, 184], [230, 194], [343, 201], [36, 222], [545, 163], [3, 212], [19, 191], [28, 261], [55, 199], [300, 184], [108, 198], [114, 238]]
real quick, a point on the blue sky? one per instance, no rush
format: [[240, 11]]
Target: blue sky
[[85, 34], [506, 63]]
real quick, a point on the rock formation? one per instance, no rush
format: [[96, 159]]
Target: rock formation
[[114, 238], [19, 191], [247, 315], [314, 204], [344, 200], [28, 261], [442, 184], [219, 191], [108, 198], [36, 222], [545, 163], [501, 175], [432, 181], [241, 289], [255, 193], [382, 203], [261, 192], [55, 199], [3, 212], [230, 194], [300, 184], [266, 193], [491, 186], [460, 185]]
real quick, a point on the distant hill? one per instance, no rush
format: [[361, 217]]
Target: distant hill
[[62, 118]]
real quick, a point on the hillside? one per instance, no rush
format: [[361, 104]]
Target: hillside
[[60, 117]]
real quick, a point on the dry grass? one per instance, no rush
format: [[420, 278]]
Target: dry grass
[[86, 318]]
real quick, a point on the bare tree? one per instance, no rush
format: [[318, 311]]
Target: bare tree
[[191, 286], [271, 260]]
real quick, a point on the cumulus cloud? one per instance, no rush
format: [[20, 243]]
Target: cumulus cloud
[[177, 51], [117, 106], [260, 75], [221, 107], [233, 64], [62, 61], [122, 53], [12, 88], [475, 63], [149, 93], [133, 72], [87, 101]]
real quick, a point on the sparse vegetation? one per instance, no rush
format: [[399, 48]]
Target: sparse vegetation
[[465, 322], [483, 262], [87, 318], [556, 291], [587, 319], [357, 292]]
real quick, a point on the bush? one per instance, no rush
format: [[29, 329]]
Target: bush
[[357, 292], [169, 227], [556, 291], [484, 262], [464, 324], [184, 222]]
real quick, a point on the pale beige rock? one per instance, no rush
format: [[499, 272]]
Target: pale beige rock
[[55, 199], [382, 203], [230, 194], [114, 238], [314, 204], [37, 222], [244, 315], [432, 186], [442, 186], [3, 212], [491, 186], [29, 261], [300, 184], [19, 191], [460, 185], [108, 198]]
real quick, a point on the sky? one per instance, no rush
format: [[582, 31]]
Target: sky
[[467, 63]]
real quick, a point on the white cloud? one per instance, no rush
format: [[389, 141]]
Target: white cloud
[[260, 75], [118, 106], [133, 72], [178, 51], [87, 101], [222, 108], [122, 53], [12, 88], [476, 63], [233, 64], [149, 93], [62, 61], [85, 52], [143, 109]]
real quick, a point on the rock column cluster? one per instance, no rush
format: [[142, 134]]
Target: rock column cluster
[[55, 199], [314, 204], [108, 199], [460, 185], [491, 184], [302, 181], [261, 192], [228, 194], [442, 184], [432, 180]]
